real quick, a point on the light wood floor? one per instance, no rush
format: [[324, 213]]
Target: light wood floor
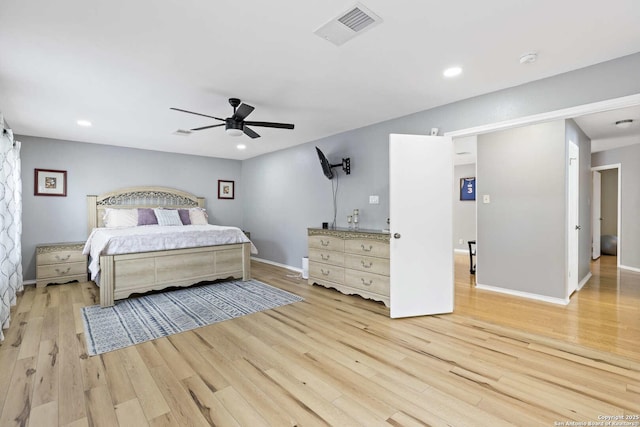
[[336, 360]]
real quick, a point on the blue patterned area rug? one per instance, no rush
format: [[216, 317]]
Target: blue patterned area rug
[[135, 320]]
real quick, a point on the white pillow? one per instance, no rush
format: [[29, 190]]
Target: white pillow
[[198, 216], [116, 218], [167, 217]]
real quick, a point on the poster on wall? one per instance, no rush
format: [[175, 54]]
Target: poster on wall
[[468, 188]]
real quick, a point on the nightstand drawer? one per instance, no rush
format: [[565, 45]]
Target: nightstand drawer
[[327, 257], [60, 257], [53, 271]]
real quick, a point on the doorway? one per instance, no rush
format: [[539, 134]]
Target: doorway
[[606, 211]]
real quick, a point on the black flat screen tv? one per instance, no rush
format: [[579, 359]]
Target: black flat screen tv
[[326, 166]]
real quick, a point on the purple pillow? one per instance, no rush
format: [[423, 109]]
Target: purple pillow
[[146, 216], [184, 216]]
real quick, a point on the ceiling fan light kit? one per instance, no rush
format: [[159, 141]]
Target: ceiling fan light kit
[[236, 124]]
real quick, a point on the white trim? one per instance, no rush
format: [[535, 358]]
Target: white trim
[[624, 267], [584, 281], [28, 282], [565, 113], [461, 251], [277, 264], [559, 301], [619, 167]]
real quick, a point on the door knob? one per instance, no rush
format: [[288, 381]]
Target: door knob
[[578, 227], [396, 235]]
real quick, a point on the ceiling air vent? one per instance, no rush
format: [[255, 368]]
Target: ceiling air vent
[[356, 20]]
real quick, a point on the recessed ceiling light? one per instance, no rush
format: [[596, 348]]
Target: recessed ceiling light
[[452, 72], [624, 124], [84, 123], [241, 146]]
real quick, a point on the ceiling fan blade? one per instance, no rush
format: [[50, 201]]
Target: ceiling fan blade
[[250, 133], [198, 114], [208, 127], [242, 112], [271, 125]]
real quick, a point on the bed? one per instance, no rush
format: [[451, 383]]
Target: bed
[[177, 263]]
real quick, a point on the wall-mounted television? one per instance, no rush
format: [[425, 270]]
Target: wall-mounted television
[[326, 166]]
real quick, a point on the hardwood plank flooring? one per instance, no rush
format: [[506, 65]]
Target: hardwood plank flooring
[[335, 359]]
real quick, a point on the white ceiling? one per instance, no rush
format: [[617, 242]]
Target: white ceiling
[[121, 64]]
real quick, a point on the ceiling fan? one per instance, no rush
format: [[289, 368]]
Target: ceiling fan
[[236, 125]]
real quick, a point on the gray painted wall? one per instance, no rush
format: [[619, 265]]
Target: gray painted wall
[[464, 211], [609, 202], [95, 169], [523, 226], [278, 216], [629, 158]]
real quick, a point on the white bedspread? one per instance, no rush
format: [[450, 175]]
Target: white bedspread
[[115, 241]]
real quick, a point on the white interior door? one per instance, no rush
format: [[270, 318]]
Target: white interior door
[[573, 218], [421, 210], [596, 215]]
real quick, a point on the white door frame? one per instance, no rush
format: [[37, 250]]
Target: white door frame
[[573, 218], [619, 167]]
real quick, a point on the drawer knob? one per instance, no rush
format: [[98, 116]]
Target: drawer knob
[[323, 257], [63, 272], [325, 273], [59, 258], [365, 249], [365, 283], [365, 265], [325, 244]]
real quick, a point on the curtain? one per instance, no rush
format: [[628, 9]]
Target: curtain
[[10, 225]]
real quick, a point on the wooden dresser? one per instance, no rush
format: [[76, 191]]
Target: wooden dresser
[[354, 262], [60, 263]]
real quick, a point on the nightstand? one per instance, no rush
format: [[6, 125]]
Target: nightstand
[[60, 263]]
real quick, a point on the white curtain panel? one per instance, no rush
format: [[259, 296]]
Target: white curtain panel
[[10, 225]]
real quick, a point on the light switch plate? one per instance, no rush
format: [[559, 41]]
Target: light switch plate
[[374, 200], [486, 198]]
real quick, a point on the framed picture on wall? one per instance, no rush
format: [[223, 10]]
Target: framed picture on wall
[[49, 182], [226, 189], [468, 188]]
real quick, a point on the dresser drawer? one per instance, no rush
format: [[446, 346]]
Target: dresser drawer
[[326, 257], [60, 257], [61, 270], [367, 281], [367, 247], [326, 272], [329, 243], [367, 264]]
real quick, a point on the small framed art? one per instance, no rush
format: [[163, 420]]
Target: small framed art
[[49, 182], [226, 189], [468, 188]]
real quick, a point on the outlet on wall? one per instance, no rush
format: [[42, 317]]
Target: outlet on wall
[[374, 200], [460, 241]]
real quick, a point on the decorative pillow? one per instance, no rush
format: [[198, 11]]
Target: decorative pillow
[[146, 216], [167, 217], [116, 218], [184, 216], [198, 216]]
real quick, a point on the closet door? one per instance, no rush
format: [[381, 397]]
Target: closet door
[[421, 191]]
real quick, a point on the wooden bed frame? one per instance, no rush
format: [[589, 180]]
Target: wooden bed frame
[[123, 275]]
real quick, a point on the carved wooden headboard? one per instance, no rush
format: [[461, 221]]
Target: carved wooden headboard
[[139, 197]]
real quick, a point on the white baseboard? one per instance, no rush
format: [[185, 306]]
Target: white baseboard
[[559, 301], [624, 267], [277, 264], [461, 251], [28, 282], [584, 281]]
